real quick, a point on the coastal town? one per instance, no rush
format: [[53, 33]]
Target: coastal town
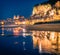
[[38, 34], [42, 13]]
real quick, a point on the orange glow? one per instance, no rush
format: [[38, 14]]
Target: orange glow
[[57, 4], [16, 31], [53, 37], [23, 22], [41, 9], [47, 12], [2, 22], [17, 22], [59, 38], [44, 43]]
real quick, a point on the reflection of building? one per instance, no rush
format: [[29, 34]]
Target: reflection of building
[[47, 41], [53, 37], [34, 41], [16, 31]]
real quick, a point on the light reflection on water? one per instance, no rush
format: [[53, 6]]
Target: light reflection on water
[[47, 41], [44, 41]]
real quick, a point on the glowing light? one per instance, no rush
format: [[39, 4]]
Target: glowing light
[[23, 43], [16, 31], [40, 48], [59, 38], [16, 23], [2, 22], [23, 30], [2, 34], [52, 35], [34, 41], [24, 35], [23, 22]]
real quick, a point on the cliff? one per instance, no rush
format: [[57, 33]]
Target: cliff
[[49, 9]]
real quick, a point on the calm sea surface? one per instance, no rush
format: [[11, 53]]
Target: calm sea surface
[[19, 41]]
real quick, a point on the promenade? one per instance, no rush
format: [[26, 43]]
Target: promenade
[[44, 27]]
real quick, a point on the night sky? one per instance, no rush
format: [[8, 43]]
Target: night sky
[[9, 8]]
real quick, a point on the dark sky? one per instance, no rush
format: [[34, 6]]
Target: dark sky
[[9, 8]]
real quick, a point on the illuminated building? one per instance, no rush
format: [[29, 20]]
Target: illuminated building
[[14, 17], [57, 4]]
